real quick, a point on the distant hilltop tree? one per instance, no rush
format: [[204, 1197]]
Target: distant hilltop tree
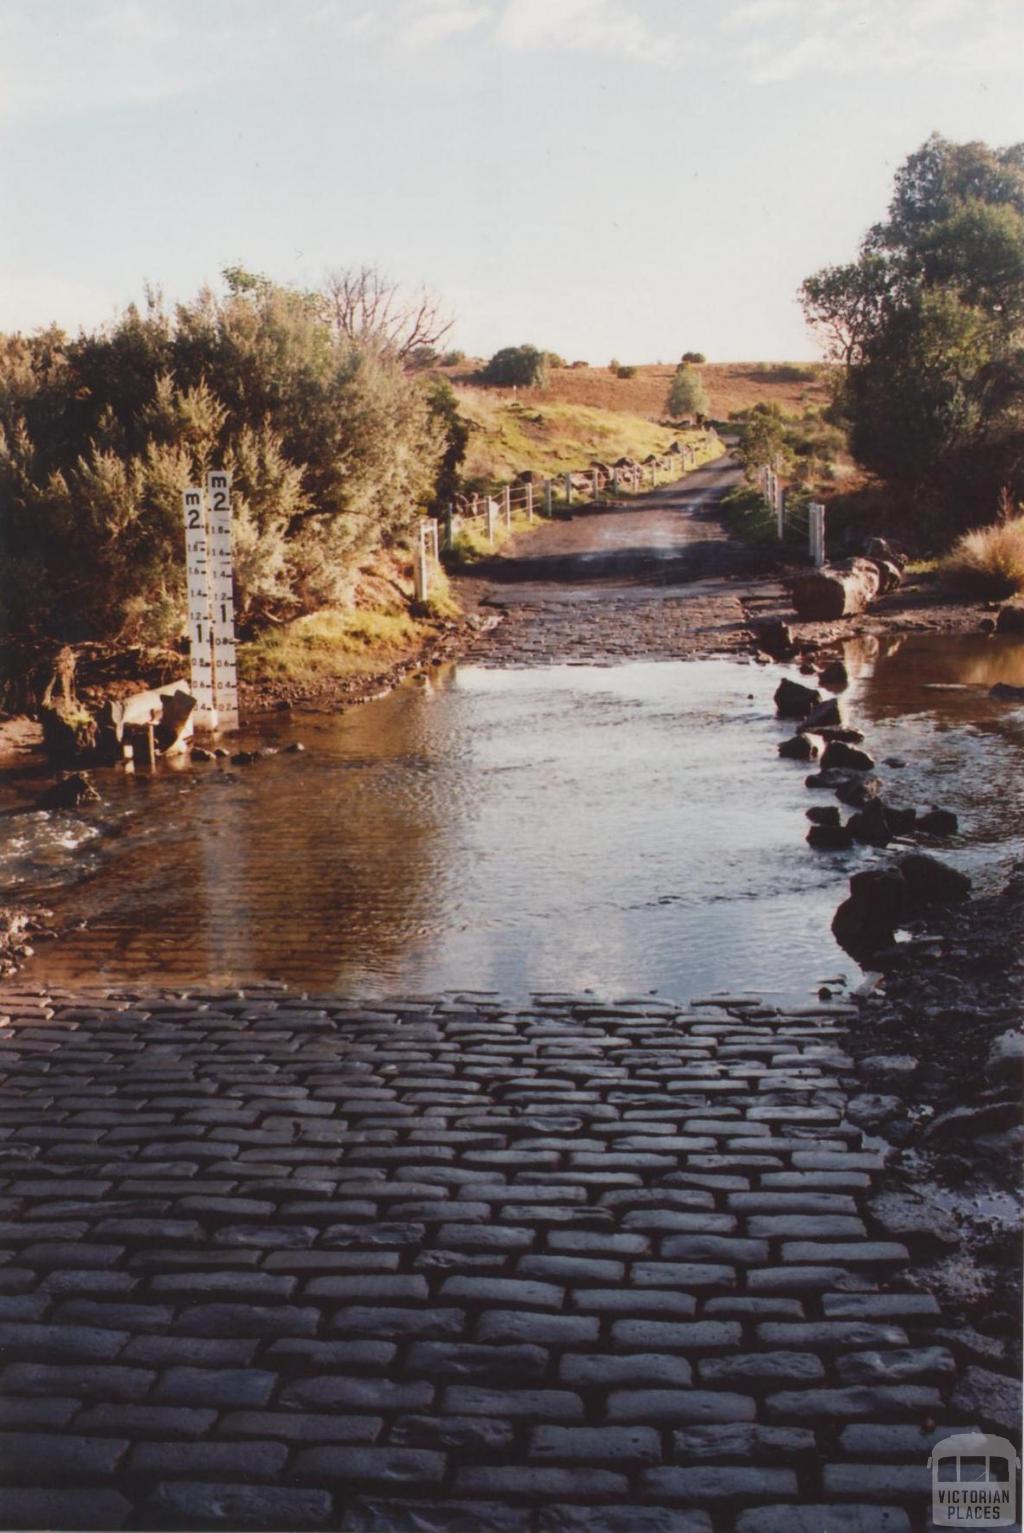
[[523, 367], [687, 394], [694, 356]]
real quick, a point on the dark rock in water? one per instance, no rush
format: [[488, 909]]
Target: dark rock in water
[[807, 669], [839, 754], [795, 701], [867, 921], [823, 814], [283, 705], [830, 838], [68, 793], [1010, 619], [870, 825], [826, 715], [1006, 1057], [775, 637], [895, 761], [1004, 693], [841, 732], [220, 753], [987, 625], [69, 733], [901, 821], [931, 882], [938, 822], [802, 748], [245, 758], [200, 753], [835, 676], [294, 748], [857, 791]]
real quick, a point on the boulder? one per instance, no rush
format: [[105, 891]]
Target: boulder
[[836, 590], [1010, 619], [68, 792], [824, 814], [891, 553], [904, 1215], [829, 838], [1002, 692], [992, 1398], [848, 757], [870, 1110], [1005, 1060], [835, 676], [775, 637], [867, 920], [793, 700], [938, 822], [870, 825], [841, 732], [889, 1067], [889, 575], [931, 882], [857, 790], [69, 733], [826, 715], [802, 747]]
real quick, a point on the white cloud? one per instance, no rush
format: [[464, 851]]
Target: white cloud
[[582, 26], [778, 40], [429, 22]]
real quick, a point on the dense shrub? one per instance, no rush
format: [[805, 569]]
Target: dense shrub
[[989, 562], [516, 367], [332, 448], [625, 370], [686, 394], [694, 356]]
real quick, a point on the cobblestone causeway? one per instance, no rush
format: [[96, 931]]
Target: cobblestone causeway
[[287, 1262]]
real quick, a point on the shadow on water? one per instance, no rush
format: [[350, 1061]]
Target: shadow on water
[[625, 829]]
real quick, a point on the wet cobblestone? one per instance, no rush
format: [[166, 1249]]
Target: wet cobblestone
[[278, 1261]]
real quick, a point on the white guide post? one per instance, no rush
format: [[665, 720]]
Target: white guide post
[[529, 502], [225, 667], [780, 507], [615, 481], [420, 568], [547, 497], [492, 517], [506, 504], [593, 482], [200, 627], [816, 512], [568, 489]]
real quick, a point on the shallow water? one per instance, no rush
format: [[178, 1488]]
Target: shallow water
[[626, 829]]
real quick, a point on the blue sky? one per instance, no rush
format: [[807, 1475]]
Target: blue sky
[[600, 177]]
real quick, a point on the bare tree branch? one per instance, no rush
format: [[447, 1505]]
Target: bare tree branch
[[366, 306]]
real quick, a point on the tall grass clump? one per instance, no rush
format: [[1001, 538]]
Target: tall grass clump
[[989, 561]]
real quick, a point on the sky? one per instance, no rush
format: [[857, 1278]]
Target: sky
[[601, 178]]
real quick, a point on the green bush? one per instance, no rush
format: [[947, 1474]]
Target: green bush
[[625, 370], [694, 356], [516, 367]]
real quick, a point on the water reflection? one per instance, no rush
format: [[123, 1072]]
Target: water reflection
[[626, 829]]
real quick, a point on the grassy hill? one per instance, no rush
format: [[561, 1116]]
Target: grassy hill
[[794, 386]]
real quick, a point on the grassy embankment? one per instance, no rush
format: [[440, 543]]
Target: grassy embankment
[[583, 414]]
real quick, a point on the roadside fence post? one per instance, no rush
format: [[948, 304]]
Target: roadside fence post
[[529, 502], [817, 532], [568, 489], [547, 497], [421, 570], [780, 508], [506, 504], [492, 517], [615, 481], [593, 480]]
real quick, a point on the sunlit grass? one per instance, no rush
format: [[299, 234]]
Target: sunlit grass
[[989, 562]]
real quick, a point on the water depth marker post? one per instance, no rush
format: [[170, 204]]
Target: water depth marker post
[[211, 602], [225, 668], [197, 565]]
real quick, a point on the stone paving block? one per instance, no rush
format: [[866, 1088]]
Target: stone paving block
[[861, 1400], [896, 1365], [224, 1387], [702, 1335], [701, 1485], [621, 1519], [678, 1406], [879, 1306], [386, 1466], [208, 1505], [89, 1380], [264, 1320], [748, 1368], [830, 1334], [872, 1253], [465, 1360], [135, 1421], [543, 1404], [367, 1515], [622, 1447], [61, 1343], [747, 1443], [462, 1433], [504, 1325], [370, 1320], [836, 1517], [598, 1370], [253, 1460], [80, 1508], [329, 1392], [210, 1352], [28, 1455], [517, 1480]]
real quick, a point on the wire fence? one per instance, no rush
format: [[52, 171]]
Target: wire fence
[[531, 496], [796, 519]]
